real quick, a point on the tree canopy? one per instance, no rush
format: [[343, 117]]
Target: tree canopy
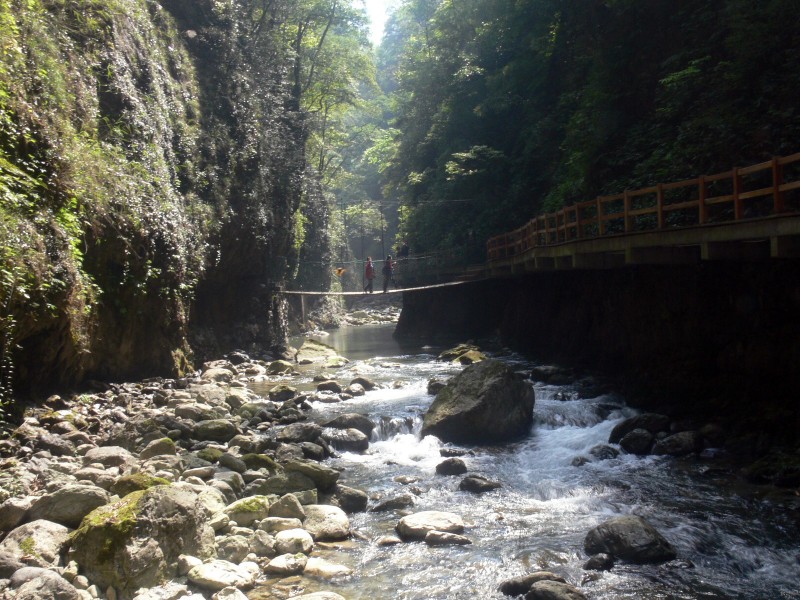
[[504, 108]]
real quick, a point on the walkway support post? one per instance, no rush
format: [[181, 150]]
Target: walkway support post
[[738, 209], [626, 201], [702, 212], [601, 225], [777, 181]]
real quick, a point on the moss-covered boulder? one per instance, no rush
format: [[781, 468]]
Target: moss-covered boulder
[[136, 542], [136, 482], [248, 510], [313, 351], [215, 430], [278, 367], [453, 354], [260, 461], [210, 454]]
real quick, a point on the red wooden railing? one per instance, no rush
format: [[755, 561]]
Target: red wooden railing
[[740, 194]]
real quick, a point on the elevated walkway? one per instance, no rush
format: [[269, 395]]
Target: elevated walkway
[[744, 214]]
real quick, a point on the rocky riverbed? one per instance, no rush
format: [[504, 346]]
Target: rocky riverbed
[[173, 489], [201, 488]]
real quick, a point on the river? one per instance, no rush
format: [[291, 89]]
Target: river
[[733, 540]]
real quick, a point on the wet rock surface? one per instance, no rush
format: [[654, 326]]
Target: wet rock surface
[[486, 402]]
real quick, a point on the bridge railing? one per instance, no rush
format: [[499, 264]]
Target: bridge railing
[[761, 190]]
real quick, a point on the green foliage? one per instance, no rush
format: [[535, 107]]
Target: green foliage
[[334, 74], [576, 99], [8, 326]]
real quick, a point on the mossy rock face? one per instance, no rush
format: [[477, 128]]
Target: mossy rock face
[[248, 510], [260, 461], [136, 482], [210, 454], [453, 354], [278, 367], [136, 542]]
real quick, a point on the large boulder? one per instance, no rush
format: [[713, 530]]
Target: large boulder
[[109, 456], [38, 543], [69, 504], [487, 402], [215, 430], [652, 422], [13, 511], [292, 541], [519, 586], [136, 541], [346, 440], [629, 538], [553, 590], [350, 500], [217, 575], [478, 485], [352, 421], [417, 526], [679, 444], [313, 351], [9, 564], [34, 583], [324, 477], [326, 523], [299, 432], [638, 441]]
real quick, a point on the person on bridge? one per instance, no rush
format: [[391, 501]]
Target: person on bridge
[[369, 274], [388, 273]]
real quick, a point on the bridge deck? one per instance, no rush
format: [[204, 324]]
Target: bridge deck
[[379, 292]]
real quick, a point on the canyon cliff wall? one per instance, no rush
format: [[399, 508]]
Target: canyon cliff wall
[[151, 165]]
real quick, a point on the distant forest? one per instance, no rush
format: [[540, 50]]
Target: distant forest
[[500, 109]]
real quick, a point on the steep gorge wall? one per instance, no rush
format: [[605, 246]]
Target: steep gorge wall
[[717, 340], [151, 162]]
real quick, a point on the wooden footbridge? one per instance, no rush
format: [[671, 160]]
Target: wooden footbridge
[[742, 214]]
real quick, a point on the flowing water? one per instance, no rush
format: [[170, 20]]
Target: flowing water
[[732, 541]]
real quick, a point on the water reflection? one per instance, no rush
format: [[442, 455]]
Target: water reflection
[[365, 342]]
